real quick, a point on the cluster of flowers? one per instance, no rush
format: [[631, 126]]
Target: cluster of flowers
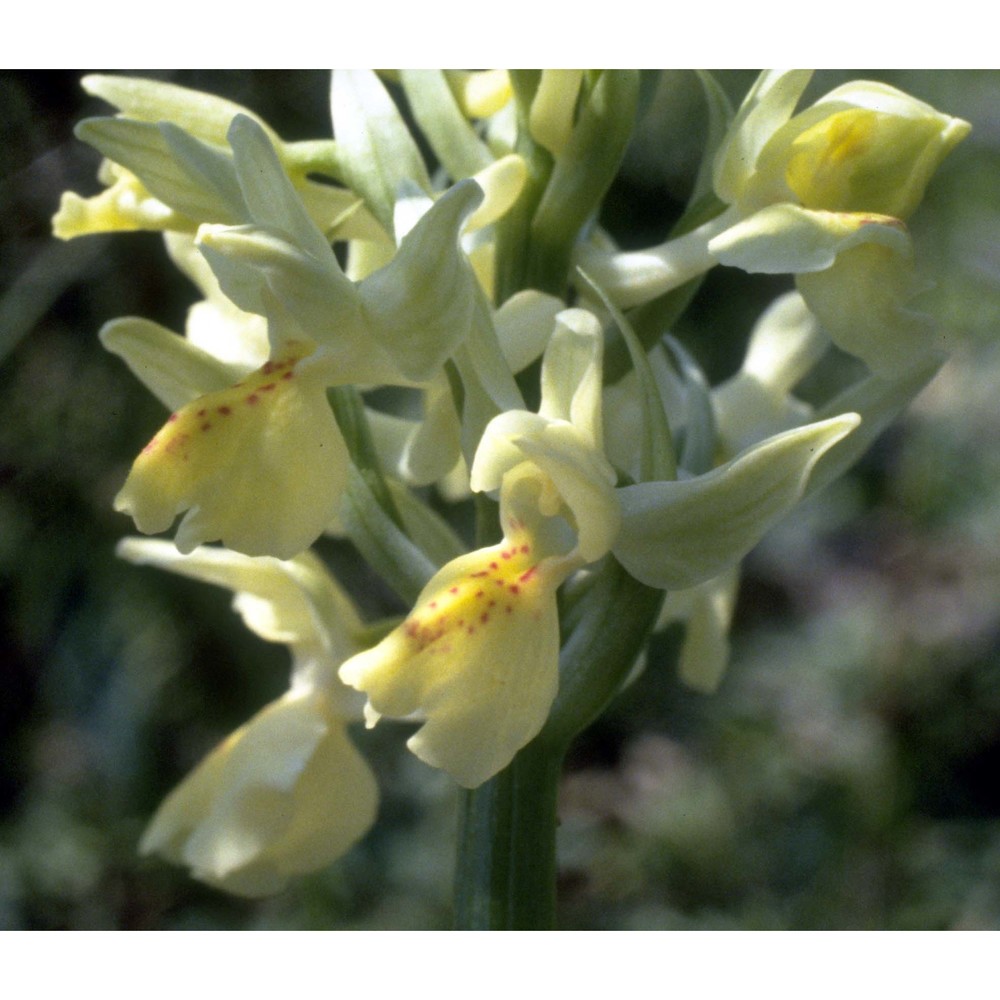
[[675, 480]]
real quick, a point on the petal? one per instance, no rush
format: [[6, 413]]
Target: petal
[[862, 302], [296, 602], [502, 183], [172, 368], [203, 115], [553, 108], [196, 180], [707, 611], [767, 107], [585, 483], [784, 344], [481, 93], [678, 534], [262, 272], [571, 374], [787, 239], [476, 661], [524, 324], [124, 207], [286, 794], [375, 150], [863, 147], [270, 197], [260, 466], [420, 306], [455, 143]]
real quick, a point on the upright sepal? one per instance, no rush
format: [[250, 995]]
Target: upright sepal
[[678, 534]]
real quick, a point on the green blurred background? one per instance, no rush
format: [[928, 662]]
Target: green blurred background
[[845, 776]]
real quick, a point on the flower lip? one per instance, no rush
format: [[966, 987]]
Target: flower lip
[[260, 466]]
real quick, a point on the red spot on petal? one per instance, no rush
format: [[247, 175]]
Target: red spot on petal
[[206, 426], [514, 588], [453, 590], [252, 398], [484, 617], [268, 388], [288, 375], [223, 411], [494, 565], [172, 418], [525, 549]]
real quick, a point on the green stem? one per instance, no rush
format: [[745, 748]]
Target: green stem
[[506, 870], [513, 239], [506, 873]]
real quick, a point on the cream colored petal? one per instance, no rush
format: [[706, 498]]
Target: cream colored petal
[[571, 374], [524, 324], [296, 602], [124, 207], [260, 467], [203, 115], [502, 183], [284, 795], [707, 611], [552, 111], [767, 107], [476, 661], [172, 368], [863, 303], [480, 94]]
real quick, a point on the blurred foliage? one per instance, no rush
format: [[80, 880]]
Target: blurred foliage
[[844, 776]]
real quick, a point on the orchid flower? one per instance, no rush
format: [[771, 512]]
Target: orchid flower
[[822, 194], [287, 793], [261, 465], [476, 660]]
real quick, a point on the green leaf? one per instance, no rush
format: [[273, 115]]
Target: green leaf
[[453, 139], [375, 150], [383, 544], [657, 459], [582, 173], [720, 116]]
